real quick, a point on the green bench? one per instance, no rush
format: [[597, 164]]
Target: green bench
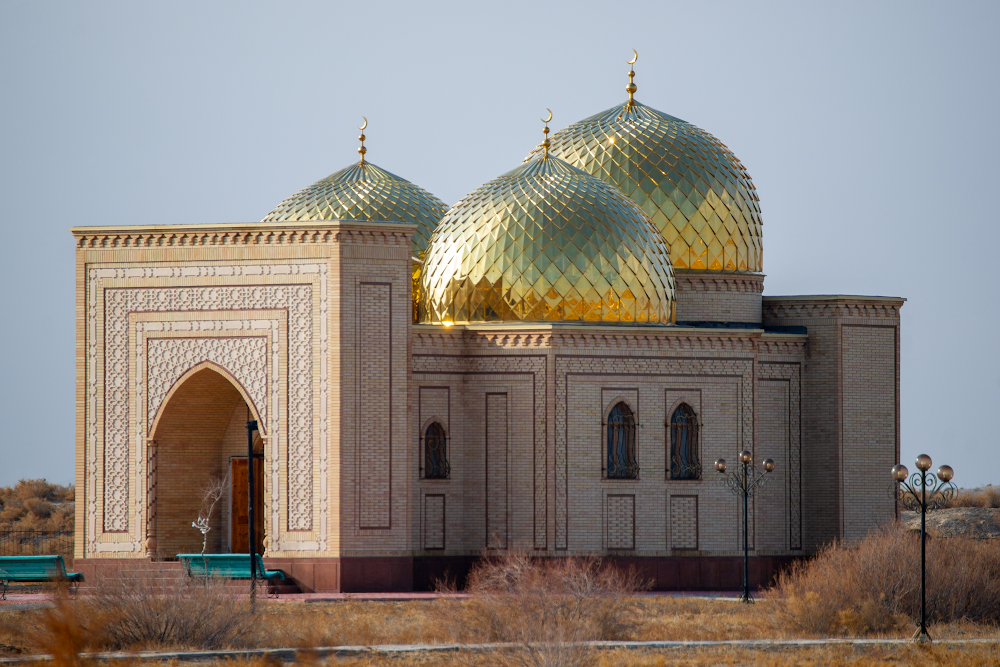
[[32, 569], [227, 566]]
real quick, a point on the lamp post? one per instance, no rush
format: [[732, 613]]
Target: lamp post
[[251, 528], [746, 481], [922, 492]]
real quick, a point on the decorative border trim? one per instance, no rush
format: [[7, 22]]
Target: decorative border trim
[[710, 282], [146, 414], [778, 308], [96, 378], [244, 234]]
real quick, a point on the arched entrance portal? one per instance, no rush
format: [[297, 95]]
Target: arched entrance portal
[[200, 440]]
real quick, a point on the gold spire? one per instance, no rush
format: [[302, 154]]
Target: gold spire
[[630, 88], [545, 131], [363, 150]]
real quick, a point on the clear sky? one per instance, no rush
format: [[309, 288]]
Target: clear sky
[[869, 128]]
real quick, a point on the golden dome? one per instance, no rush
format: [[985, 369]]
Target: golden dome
[[365, 193], [546, 242], [689, 183]]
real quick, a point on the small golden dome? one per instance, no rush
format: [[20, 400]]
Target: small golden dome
[[365, 193], [690, 184], [546, 242]]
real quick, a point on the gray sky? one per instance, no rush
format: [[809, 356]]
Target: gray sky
[[869, 129]]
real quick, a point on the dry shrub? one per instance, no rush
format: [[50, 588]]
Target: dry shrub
[[873, 586], [546, 607], [34, 504], [133, 609], [987, 496], [60, 633]]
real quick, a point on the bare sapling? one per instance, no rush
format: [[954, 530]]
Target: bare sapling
[[211, 494]]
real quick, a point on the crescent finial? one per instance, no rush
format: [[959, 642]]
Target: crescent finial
[[630, 88], [362, 150], [545, 132]]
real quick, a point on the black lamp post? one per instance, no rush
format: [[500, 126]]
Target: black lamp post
[[922, 492], [746, 481], [251, 528]]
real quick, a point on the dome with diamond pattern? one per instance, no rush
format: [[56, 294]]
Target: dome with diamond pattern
[[690, 184], [546, 242], [365, 193]]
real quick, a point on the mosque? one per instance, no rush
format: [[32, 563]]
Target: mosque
[[551, 365]]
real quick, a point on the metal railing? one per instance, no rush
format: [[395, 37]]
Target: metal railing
[[36, 543]]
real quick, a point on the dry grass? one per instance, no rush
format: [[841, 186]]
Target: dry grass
[[869, 589], [873, 587], [299, 624], [987, 496], [814, 656]]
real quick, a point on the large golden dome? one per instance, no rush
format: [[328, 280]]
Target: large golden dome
[[546, 242], [365, 193], [692, 187]]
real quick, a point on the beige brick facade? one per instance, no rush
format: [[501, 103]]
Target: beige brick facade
[[704, 296], [850, 416], [185, 333]]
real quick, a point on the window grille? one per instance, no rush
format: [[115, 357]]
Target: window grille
[[621, 460], [436, 453], [684, 461]]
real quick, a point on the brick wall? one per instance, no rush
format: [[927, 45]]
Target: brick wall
[[869, 424], [560, 383], [376, 469], [718, 297], [850, 424], [684, 523]]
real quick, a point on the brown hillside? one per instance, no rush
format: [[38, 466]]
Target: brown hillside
[[35, 504], [980, 523]]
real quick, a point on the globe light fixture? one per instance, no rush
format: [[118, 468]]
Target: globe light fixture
[[744, 482], [921, 492]]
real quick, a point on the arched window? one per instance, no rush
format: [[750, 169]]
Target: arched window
[[621, 462], [436, 453], [684, 462]]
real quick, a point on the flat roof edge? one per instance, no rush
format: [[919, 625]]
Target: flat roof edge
[[832, 297], [233, 226]]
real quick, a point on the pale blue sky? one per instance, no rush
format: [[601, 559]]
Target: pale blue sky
[[869, 129]]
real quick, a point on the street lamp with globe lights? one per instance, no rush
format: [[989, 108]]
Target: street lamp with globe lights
[[922, 492], [746, 481]]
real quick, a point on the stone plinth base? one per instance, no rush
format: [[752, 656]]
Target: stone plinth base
[[375, 575]]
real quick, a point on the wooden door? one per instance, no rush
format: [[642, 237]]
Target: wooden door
[[240, 537]]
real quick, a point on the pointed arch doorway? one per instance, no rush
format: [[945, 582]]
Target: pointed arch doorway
[[200, 440]]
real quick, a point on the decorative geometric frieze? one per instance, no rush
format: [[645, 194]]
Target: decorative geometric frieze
[[120, 302], [775, 308], [159, 367], [667, 339], [170, 358], [219, 235], [705, 282]]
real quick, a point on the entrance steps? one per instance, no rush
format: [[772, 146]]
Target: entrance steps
[[170, 575]]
